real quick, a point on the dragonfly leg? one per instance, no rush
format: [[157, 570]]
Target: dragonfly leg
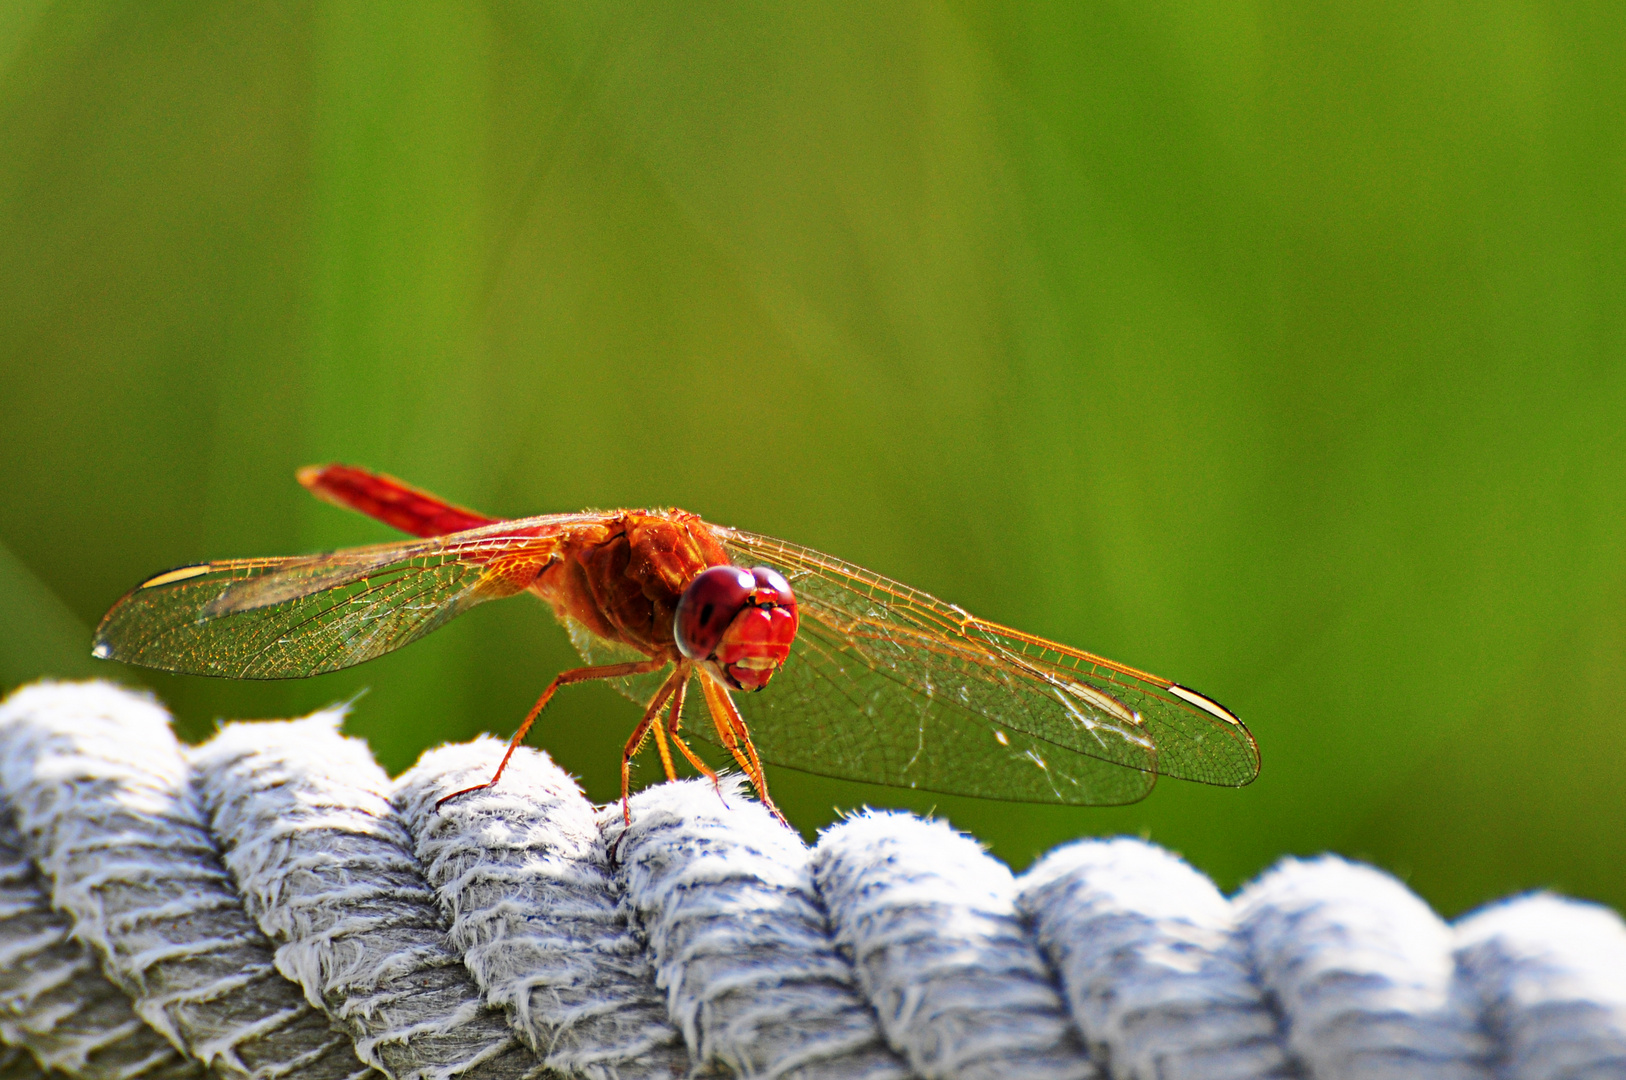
[[660, 734], [672, 723], [732, 731], [564, 678], [640, 735], [756, 762]]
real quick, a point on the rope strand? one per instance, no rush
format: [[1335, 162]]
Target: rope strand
[[530, 901], [271, 905], [327, 872], [56, 1002], [101, 796]]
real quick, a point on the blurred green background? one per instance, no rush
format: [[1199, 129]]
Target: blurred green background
[[1275, 348]]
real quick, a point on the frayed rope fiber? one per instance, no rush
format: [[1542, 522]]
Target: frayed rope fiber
[[271, 904]]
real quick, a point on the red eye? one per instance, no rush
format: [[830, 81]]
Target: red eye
[[773, 581], [708, 605]]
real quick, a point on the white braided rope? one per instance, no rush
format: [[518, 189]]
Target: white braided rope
[[270, 904]]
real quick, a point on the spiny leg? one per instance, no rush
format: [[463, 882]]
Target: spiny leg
[[672, 723], [635, 742], [756, 762], [731, 728], [564, 678], [660, 736], [725, 730], [744, 733]]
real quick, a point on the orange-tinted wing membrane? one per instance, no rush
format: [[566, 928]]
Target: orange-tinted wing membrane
[[292, 617], [889, 685]]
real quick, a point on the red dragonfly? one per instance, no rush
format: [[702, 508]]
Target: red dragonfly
[[803, 660]]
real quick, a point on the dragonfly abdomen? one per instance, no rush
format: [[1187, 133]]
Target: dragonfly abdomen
[[415, 512]]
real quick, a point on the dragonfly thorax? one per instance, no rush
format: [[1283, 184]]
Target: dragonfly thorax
[[622, 578]]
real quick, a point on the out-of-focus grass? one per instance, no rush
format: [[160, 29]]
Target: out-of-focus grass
[[1276, 351]]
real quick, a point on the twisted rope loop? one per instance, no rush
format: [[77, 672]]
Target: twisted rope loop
[[271, 904]]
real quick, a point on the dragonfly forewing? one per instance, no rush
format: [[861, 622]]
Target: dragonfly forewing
[[306, 615], [946, 701]]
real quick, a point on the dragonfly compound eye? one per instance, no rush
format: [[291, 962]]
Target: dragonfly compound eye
[[739, 623], [708, 605], [771, 587]]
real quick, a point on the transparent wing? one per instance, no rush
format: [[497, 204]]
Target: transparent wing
[[293, 617], [889, 685]]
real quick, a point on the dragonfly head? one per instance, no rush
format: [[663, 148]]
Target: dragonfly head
[[737, 623]]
